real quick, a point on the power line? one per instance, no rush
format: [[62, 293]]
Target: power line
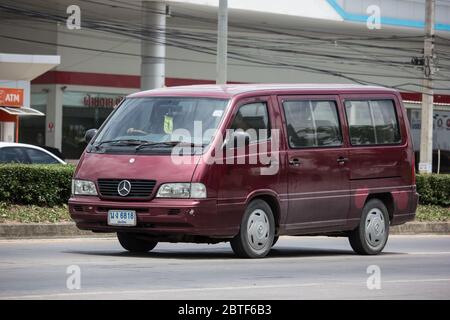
[[184, 40]]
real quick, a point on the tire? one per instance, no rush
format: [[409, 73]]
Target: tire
[[370, 237], [257, 230], [275, 240], [133, 244]]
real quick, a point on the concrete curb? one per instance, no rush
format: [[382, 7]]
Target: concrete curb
[[45, 230], [422, 228], [69, 230]]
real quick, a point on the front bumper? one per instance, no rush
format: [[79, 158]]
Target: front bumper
[[156, 217]]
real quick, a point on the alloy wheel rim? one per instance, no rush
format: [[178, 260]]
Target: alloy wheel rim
[[375, 230], [258, 230]]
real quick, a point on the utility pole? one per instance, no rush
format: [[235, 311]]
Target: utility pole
[[426, 133], [153, 45], [222, 39]]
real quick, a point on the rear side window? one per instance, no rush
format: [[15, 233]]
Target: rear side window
[[39, 157], [372, 122], [253, 116], [12, 155], [312, 123]]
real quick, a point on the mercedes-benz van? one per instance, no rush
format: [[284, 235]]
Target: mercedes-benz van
[[247, 164]]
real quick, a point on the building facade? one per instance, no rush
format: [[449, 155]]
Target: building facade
[[320, 41]]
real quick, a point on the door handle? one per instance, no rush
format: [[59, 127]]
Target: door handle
[[294, 162], [342, 160]]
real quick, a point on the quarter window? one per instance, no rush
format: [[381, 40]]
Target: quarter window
[[312, 123], [372, 122], [37, 156]]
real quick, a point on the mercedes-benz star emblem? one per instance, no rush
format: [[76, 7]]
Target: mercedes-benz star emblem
[[124, 188]]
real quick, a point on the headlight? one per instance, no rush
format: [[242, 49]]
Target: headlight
[[182, 190], [83, 187]]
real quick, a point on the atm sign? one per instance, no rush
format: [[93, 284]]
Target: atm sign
[[11, 97]]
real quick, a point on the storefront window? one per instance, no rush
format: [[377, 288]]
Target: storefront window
[[441, 137], [32, 128], [83, 111]]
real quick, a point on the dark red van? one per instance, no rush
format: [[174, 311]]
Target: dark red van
[[246, 164]]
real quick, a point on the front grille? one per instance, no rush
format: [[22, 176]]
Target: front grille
[[173, 212], [106, 209], [139, 188], [78, 208]]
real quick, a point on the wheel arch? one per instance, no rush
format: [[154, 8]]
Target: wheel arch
[[387, 199], [272, 199]]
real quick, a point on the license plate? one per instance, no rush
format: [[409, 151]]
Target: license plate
[[121, 218]]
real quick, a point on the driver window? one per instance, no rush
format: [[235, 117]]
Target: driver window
[[253, 116]]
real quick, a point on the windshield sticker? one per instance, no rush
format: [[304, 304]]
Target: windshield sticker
[[217, 113], [168, 124]]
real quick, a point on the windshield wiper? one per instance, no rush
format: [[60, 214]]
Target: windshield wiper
[[168, 143], [122, 142]]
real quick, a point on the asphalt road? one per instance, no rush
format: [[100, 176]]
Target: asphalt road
[[411, 267]]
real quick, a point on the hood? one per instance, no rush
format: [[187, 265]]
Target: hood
[[93, 166]]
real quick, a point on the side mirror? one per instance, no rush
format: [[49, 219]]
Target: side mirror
[[238, 139], [89, 135]]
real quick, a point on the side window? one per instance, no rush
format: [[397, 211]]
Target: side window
[[372, 122], [385, 122], [37, 156], [360, 122], [12, 155], [312, 123], [253, 116]]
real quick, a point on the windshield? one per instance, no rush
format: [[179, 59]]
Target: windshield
[[161, 122]]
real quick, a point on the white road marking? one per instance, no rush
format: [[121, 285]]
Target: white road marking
[[174, 290], [203, 289], [429, 253]]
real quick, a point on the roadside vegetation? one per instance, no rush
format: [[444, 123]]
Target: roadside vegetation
[[13, 213], [433, 213]]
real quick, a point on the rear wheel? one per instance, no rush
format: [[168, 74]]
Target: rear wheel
[[371, 235], [256, 234], [134, 244]]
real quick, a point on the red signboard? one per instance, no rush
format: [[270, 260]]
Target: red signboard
[[11, 97]]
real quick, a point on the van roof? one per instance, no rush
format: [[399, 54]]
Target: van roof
[[231, 90]]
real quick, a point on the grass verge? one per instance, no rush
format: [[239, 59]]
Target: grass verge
[[432, 213], [33, 214]]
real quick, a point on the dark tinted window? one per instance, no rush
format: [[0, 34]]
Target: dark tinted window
[[37, 156], [372, 122], [253, 116], [312, 123], [12, 155]]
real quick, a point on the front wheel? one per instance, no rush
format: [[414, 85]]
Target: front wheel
[[372, 233], [257, 231], [134, 244]]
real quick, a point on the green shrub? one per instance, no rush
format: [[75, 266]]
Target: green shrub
[[49, 185], [434, 189], [41, 185]]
